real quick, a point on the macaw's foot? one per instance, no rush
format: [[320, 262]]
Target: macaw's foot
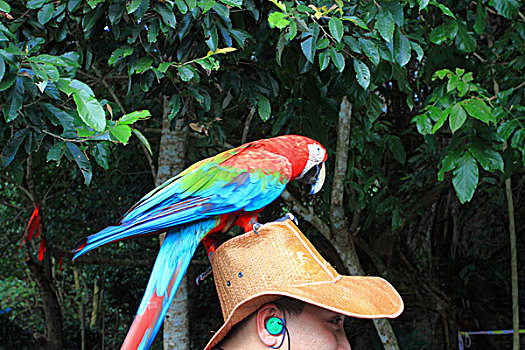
[[203, 275], [289, 216], [256, 226]]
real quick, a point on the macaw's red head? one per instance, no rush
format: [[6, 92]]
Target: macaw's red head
[[307, 157]]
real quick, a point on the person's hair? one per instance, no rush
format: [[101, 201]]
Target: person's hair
[[291, 306]]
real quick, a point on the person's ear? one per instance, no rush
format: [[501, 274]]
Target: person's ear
[[264, 314]]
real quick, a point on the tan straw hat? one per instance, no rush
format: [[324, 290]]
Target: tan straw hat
[[254, 269]]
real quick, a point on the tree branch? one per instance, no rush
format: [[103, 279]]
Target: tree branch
[[99, 260], [306, 213]]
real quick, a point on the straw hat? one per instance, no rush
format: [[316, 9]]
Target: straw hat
[[254, 269]]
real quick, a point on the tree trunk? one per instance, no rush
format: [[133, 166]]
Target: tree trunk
[[95, 303], [173, 144], [52, 312], [41, 274], [341, 232], [80, 301], [514, 267]]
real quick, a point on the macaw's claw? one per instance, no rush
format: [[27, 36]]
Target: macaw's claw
[[203, 275], [256, 226], [289, 216]]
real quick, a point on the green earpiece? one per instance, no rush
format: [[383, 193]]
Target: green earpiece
[[275, 325]]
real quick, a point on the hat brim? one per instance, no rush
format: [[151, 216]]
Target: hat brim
[[354, 296]]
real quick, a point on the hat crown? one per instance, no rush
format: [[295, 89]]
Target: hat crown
[[278, 256]]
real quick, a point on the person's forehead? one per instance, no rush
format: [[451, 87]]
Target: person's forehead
[[319, 311]]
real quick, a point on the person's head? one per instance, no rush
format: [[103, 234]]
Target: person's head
[[277, 291], [288, 321]]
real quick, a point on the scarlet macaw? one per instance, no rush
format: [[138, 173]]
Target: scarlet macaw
[[209, 197]]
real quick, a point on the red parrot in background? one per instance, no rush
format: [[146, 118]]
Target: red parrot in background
[[209, 197]]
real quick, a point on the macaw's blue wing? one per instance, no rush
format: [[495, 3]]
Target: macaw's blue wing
[[232, 181], [171, 264]]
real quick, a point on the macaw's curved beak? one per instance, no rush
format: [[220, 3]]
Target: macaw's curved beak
[[315, 177]]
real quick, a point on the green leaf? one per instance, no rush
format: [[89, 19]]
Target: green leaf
[[45, 13], [94, 3], [8, 80], [119, 54], [324, 59], [418, 49], [4, 6], [488, 158], [12, 146], [507, 128], [167, 15], [207, 5], [457, 117], [308, 45], [479, 110], [322, 43], [77, 85], [263, 107], [338, 59], [424, 126], [82, 161], [133, 6], [132, 117], [439, 123], [398, 150], [142, 139], [357, 21], [517, 138], [481, 14], [175, 104], [445, 10], [335, 25], [448, 163], [233, 3], [451, 28], [397, 220], [506, 8], [362, 73], [240, 36], [292, 31], [121, 132], [101, 154], [212, 38], [56, 151], [422, 4], [143, 64], [464, 41], [396, 9], [385, 24], [438, 35], [183, 8], [374, 107], [15, 98], [36, 4], [89, 110], [163, 67], [2, 67], [404, 50], [370, 51], [278, 19], [452, 83], [185, 73], [465, 177], [193, 4]]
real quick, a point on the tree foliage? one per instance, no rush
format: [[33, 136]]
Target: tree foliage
[[436, 91]]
